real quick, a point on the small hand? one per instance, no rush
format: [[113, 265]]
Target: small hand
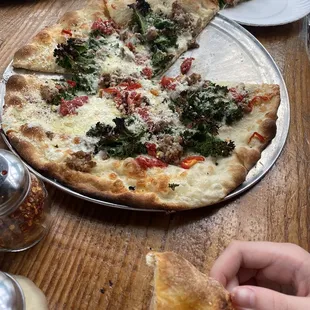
[[249, 269]]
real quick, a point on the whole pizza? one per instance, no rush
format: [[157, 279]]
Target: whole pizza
[[112, 125]]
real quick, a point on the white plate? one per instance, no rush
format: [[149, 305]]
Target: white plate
[[268, 12]]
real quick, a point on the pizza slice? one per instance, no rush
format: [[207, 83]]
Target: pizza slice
[[129, 38], [166, 28], [38, 54], [179, 144], [178, 285]]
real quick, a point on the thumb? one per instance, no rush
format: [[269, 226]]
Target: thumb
[[257, 298]]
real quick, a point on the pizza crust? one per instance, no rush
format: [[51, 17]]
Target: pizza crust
[[178, 285]]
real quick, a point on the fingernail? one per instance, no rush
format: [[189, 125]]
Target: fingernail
[[243, 297]]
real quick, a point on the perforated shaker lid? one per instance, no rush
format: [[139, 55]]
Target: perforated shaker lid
[[14, 181], [11, 294]]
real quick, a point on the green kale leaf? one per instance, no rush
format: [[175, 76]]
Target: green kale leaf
[[117, 141]]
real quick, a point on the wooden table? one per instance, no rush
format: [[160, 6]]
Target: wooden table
[[94, 256]]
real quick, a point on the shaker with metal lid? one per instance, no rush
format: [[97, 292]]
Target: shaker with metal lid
[[24, 205], [20, 293]]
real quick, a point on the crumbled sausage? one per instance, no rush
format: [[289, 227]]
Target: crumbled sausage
[[105, 80], [192, 44], [180, 16], [169, 149], [193, 79], [152, 34], [48, 93], [81, 161]]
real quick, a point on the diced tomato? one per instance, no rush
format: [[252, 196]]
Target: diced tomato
[[236, 95], [71, 83], [151, 149], [131, 46], [68, 107], [168, 83], [145, 162], [141, 59], [186, 65], [190, 161], [257, 136], [147, 72], [66, 31], [133, 98], [106, 27], [144, 113]]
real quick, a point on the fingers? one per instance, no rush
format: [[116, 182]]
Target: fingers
[[256, 298], [281, 263]]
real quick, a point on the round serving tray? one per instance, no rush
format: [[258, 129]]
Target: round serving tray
[[228, 54]]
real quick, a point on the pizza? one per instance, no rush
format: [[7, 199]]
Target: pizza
[[178, 285], [113, 126]]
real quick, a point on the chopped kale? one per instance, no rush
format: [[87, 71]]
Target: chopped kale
[[160, 60], [173, 186], [160, 33], [207, 144], [117, 141], [86, 82], [222, 4], [141, 8], [209, 106], [62, 95], [76, 56]]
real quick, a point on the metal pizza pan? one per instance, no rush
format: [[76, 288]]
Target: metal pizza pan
[[229, 54]]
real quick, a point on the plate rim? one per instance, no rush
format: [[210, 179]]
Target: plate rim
[[237, 192], [288, 21]]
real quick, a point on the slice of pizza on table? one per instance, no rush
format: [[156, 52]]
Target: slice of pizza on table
[[178, 285]]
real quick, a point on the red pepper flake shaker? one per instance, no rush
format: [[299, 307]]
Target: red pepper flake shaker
[[24, 205]]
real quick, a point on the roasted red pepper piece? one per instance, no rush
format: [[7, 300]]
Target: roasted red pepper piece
[[66, 31], [257, 136], [190, 161], [257, 99], [145, 162], [168, 83]]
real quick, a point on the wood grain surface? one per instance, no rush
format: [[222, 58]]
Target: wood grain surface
[[94, 256]]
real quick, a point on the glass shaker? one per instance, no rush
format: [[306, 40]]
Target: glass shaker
[[20, 293], [24, 205]]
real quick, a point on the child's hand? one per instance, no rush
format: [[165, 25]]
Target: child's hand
[[244, 268]]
